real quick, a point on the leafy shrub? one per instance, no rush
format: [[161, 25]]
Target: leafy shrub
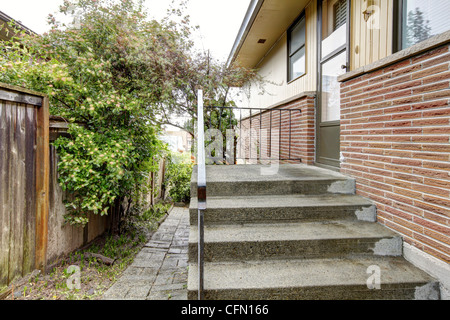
[[115, 76], [157, 211], [84, 70], [178, 177]]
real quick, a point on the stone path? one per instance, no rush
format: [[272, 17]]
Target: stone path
[[159, 271]]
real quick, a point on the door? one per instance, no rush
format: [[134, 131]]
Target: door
[[333, 57]]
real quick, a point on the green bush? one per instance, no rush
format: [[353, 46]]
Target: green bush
[[157, 211], [85, 70], [178, 177]]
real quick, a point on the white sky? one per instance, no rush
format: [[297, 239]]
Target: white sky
[[219, 20]]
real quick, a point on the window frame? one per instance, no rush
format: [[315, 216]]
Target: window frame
[[397, 26], [397, 31], [298, 20]]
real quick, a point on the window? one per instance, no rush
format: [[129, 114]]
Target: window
[[334, 27], [296, 49], [422, 19], [339, 14]]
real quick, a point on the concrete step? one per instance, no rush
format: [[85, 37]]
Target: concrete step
[[316, 279], [269, 208], [298, 234], [246, 180], [304, 240]]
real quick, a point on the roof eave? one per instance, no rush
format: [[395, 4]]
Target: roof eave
[[250, 16], [5, 18]]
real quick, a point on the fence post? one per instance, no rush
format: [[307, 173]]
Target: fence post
[[42, 185]]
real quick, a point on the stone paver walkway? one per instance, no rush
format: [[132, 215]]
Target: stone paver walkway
[[159, 271]]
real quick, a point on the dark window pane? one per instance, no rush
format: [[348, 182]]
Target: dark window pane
[[297, 37], [296, 40]]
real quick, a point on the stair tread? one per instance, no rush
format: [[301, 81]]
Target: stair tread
[[277, 201], [284, 172], [292, 231], [287, 179], [350, 271]]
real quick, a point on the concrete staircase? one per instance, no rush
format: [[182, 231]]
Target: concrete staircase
[[299, 234]]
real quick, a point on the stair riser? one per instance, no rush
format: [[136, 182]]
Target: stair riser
[[295, 249], [392, 292], [283, 214], [252, 188]]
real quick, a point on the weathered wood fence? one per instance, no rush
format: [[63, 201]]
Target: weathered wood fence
[[24, 164], [33, 234]]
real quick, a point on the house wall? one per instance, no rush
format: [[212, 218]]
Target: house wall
[[395, 127], [371, 40], [273, 68]]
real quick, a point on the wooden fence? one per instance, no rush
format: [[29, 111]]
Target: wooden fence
[[33, 234], [24, 164]]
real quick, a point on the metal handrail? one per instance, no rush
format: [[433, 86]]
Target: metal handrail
[[201, 189], [259, 113], [201, 171]]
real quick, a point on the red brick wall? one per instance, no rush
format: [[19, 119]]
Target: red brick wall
[[395, 129], [296, 127]]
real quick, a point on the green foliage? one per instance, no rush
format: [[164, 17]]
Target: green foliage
[[178, 177], [221, 119], [99, 167], [115, 76], [157, 211], [90, 73], [215, 79]]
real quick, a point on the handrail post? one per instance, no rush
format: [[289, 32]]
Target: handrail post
[[201, 189]]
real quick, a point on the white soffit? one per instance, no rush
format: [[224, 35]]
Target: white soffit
[[272, 20]]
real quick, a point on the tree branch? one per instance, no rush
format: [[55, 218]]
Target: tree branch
[[179, 127]]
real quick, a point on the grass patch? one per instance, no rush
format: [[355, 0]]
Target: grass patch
[[95, 277]]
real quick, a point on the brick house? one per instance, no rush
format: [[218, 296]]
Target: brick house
[[372, 80]]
